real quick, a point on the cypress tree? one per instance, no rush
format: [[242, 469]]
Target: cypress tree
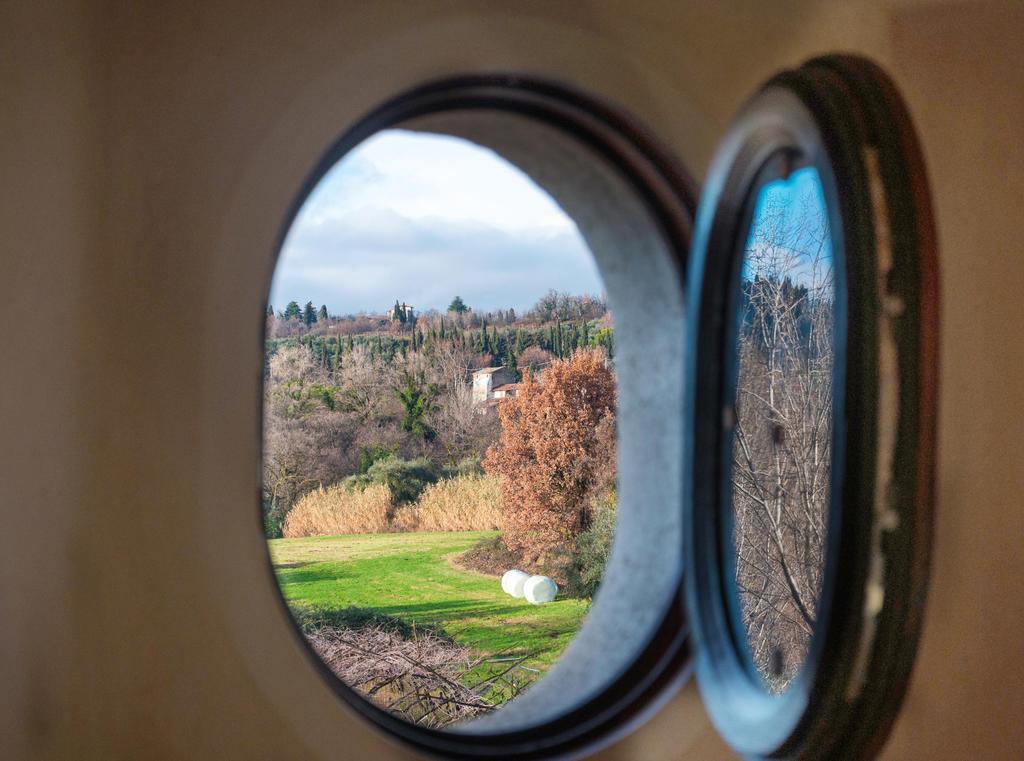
[[309, 313], [520, 341], [322, 314]]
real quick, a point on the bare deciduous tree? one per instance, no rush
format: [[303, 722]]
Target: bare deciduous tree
[[783, 428]]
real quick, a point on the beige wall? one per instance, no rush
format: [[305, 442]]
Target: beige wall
[[148, 155]]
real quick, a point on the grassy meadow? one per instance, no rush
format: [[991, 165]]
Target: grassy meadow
[[411, 577]]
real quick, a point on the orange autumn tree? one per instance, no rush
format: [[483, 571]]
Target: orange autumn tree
[[552, 435]]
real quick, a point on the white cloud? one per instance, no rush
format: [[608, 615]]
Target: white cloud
[[423, 218]]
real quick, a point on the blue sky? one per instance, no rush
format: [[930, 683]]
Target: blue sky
[[790, 215], [423, 218]]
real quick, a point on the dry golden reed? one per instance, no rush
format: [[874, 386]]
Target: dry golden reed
[[468, 503], [336, 510]]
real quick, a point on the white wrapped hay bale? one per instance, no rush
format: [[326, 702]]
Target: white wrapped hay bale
[[539, 590], [512, 582]]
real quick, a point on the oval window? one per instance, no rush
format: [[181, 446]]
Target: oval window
[[812, 407]]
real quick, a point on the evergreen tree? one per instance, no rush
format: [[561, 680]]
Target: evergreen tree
[[293, 311], [322, 314], [309, 313], [458, 306], [270, 310], [417, 399]]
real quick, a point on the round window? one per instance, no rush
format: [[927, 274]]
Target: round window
[[472, 489], [772, 397]]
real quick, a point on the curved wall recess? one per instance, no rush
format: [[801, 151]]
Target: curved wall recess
[[633, 206]]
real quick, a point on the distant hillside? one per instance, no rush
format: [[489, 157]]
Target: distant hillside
[[556, 326]]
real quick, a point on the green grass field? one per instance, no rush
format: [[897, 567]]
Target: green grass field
[[410, 576]]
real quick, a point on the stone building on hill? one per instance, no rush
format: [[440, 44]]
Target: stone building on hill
[[493, 383]]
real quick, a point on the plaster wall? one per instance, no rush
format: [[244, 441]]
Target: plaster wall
[[148, 154]]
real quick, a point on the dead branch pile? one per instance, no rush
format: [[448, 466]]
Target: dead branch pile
[[423, 678]]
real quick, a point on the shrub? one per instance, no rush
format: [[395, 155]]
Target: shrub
[[372, 454], [405, 479], [467, 466], [469, 503], [273, 522], [586, 565], [339, 510]]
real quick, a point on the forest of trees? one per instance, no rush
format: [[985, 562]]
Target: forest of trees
[[342, 393], [558, 324]]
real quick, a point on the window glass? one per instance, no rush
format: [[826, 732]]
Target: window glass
[[781, 443], [440, 427]]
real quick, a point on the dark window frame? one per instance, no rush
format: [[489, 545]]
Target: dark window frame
[[842, 114]]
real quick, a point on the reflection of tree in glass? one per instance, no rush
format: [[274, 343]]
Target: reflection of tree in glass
[[782, 439]]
